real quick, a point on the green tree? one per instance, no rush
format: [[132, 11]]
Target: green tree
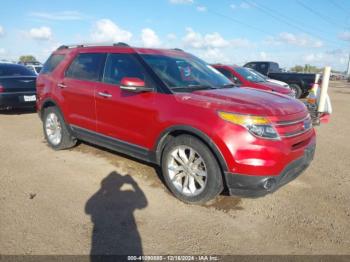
[[297, 68], [307, 68], [27, 59]]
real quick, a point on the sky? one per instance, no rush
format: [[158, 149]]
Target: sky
[[289, 32]]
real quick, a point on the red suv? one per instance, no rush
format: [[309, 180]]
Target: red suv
[[244, 77], [170, 108]]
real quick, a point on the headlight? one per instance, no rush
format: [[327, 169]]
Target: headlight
[[256, 125]]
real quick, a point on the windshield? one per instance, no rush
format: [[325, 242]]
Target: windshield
[[249, 75], [259, 74], [185, 74]]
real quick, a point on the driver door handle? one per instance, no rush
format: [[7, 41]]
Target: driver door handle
[[61, 85], [104, 94]]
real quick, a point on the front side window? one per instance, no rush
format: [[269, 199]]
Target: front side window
[[86, 67], [51, 63], [119, 66], [183, 74]]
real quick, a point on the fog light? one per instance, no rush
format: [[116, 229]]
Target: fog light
[[269, 184]]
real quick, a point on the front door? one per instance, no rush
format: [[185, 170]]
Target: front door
[[122, 114]]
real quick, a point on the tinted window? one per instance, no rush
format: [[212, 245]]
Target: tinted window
[[119, 66], [38, 68], [185, 73], [263, 68], [15, 70], [86, 67], [274, 67], [51, 63], [225, 72], [251, 65]]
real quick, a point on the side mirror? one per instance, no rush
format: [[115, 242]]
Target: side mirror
[[134, 84]]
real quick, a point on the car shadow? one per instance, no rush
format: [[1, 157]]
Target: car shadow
[[17, 111], [111, 209], [156, 168]]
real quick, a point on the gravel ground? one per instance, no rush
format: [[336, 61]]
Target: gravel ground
[[89, 199]]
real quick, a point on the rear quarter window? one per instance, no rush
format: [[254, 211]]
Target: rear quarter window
[[86, 67], [51, 63]]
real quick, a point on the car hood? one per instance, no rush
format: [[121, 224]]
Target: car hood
[[244, 101], [274, 87]]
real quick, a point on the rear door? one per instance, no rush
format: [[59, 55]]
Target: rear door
[[78, 89], [122, 114]]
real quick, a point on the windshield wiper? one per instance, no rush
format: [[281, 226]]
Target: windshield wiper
[[228, 85], [198, 87]]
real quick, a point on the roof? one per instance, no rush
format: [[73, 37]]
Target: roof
[[224, 65], [261, 62], [118, 47]]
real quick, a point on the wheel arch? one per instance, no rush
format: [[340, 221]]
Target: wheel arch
[[47, 103], [174, 131]]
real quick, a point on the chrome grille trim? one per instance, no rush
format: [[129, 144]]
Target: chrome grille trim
[[288, 123], [288, 135]]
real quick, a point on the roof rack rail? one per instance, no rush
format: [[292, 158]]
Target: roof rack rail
[[121, 44], [62, 47], [178, 49], [92, 44]]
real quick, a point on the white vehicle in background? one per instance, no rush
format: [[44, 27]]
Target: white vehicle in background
[[277, 82]]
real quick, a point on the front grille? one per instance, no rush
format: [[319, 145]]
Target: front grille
[[295, 127]]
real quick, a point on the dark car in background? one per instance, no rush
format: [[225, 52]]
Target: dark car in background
[[299, 82], [17, 87]]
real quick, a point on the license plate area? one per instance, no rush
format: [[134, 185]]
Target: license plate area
[[31, 98]]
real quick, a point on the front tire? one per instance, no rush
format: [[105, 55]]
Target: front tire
[[190, 170], [297, 90], [56, 131]]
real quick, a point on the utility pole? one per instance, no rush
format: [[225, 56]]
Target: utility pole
[[348, 71]]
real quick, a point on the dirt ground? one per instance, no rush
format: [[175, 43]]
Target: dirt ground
[[88, 199]]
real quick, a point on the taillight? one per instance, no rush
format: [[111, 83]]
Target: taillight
[[2, 89]]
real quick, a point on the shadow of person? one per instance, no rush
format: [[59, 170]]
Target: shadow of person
[[111, 209]]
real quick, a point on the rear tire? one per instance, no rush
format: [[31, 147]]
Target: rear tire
[[56, 131], [297, 90], [190, 170]]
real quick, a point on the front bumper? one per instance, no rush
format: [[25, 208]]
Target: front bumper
[[256, 186]]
